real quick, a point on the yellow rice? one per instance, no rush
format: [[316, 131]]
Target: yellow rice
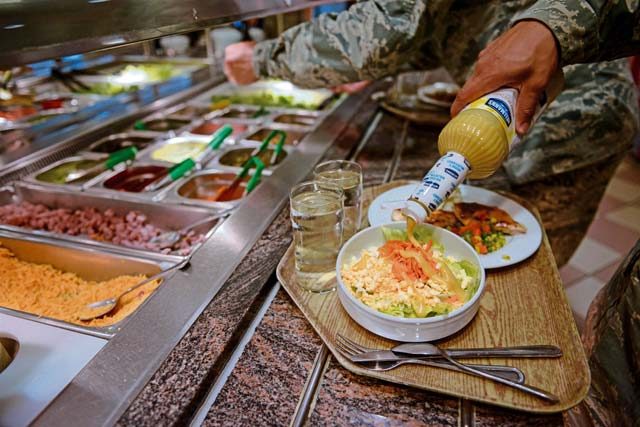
[[48, 292]]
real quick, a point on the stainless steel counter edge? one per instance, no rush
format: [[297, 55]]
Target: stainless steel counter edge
[[104, 389]]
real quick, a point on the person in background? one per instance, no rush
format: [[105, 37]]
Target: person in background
[[329, 8], [565, 162], [573, 32]]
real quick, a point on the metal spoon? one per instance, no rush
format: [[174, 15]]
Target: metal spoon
[[101, 308], [473, 371], [170, 238]]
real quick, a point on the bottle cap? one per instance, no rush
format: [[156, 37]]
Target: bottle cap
[[415, 210]]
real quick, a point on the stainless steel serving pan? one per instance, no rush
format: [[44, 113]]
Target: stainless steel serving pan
[[147, 135], [162, 215], [90, 263], [172, 194], [99, 188], [215, 163], [77, 186]]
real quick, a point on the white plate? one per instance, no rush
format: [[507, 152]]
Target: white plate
[[518, 247]]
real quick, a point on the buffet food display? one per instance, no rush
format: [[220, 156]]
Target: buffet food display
[[179, 162]]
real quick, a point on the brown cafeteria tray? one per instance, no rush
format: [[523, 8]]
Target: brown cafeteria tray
[[522, 305]]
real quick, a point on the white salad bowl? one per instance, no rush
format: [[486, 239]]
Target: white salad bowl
[[400, 328]]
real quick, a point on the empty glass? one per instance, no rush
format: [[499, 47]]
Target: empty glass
[[316, 216], [346, 176]]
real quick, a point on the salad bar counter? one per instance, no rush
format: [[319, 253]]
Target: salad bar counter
[[144, 192]]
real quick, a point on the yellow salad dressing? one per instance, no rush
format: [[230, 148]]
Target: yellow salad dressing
[[473, 145]]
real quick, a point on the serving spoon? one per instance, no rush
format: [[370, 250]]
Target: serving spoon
[[100, 308], [170, 238]]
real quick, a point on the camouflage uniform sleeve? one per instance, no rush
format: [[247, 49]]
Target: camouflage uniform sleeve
[[594, 118], [370, 40], [589, 30]]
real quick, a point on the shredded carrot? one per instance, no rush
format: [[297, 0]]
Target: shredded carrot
[[403, 267]]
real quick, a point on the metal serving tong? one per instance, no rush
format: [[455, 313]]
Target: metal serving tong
[[228, 190], [265, 144]]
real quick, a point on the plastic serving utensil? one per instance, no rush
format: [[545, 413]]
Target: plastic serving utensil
[[228, 190], [217, 139], [265, 144], [175, 173], [101, 308], [114, 159], [279, 146]]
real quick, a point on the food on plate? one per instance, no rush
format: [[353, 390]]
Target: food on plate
[[483, 227], [410, 276], [131, 230], [467, 213], [43, 290]]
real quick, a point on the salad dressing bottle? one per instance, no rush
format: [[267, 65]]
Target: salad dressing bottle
[[473, 145]]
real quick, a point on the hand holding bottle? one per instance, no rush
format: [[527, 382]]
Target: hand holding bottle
[[524, 58]]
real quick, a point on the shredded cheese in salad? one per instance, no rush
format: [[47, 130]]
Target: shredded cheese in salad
[[410, 279]]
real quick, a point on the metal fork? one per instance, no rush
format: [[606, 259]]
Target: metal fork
[[348, 348]]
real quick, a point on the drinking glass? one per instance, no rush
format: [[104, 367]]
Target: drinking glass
[[316, 217], [346, 176]]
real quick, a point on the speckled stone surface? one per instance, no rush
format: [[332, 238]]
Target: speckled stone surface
[[490, 416], [348, 399], [176, 389], [266, 385]]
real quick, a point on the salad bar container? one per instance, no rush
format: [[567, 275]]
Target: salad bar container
[[89, 263], [164, 216]]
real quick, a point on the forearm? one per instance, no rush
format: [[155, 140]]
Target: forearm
[[370, 40], [589, 30]]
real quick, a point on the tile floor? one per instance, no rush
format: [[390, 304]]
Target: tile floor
[[613, 232]]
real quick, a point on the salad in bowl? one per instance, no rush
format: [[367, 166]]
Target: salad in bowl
[[414, 286]]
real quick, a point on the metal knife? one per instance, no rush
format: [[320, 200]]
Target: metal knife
[[417, 349], [528, 352]]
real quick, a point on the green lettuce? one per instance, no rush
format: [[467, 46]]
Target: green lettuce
[[422, 233]]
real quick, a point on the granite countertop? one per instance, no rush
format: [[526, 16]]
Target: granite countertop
[[267, 384]]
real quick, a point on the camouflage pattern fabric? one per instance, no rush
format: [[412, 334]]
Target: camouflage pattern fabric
[[612, 342], [594, 118], [590, 31]]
